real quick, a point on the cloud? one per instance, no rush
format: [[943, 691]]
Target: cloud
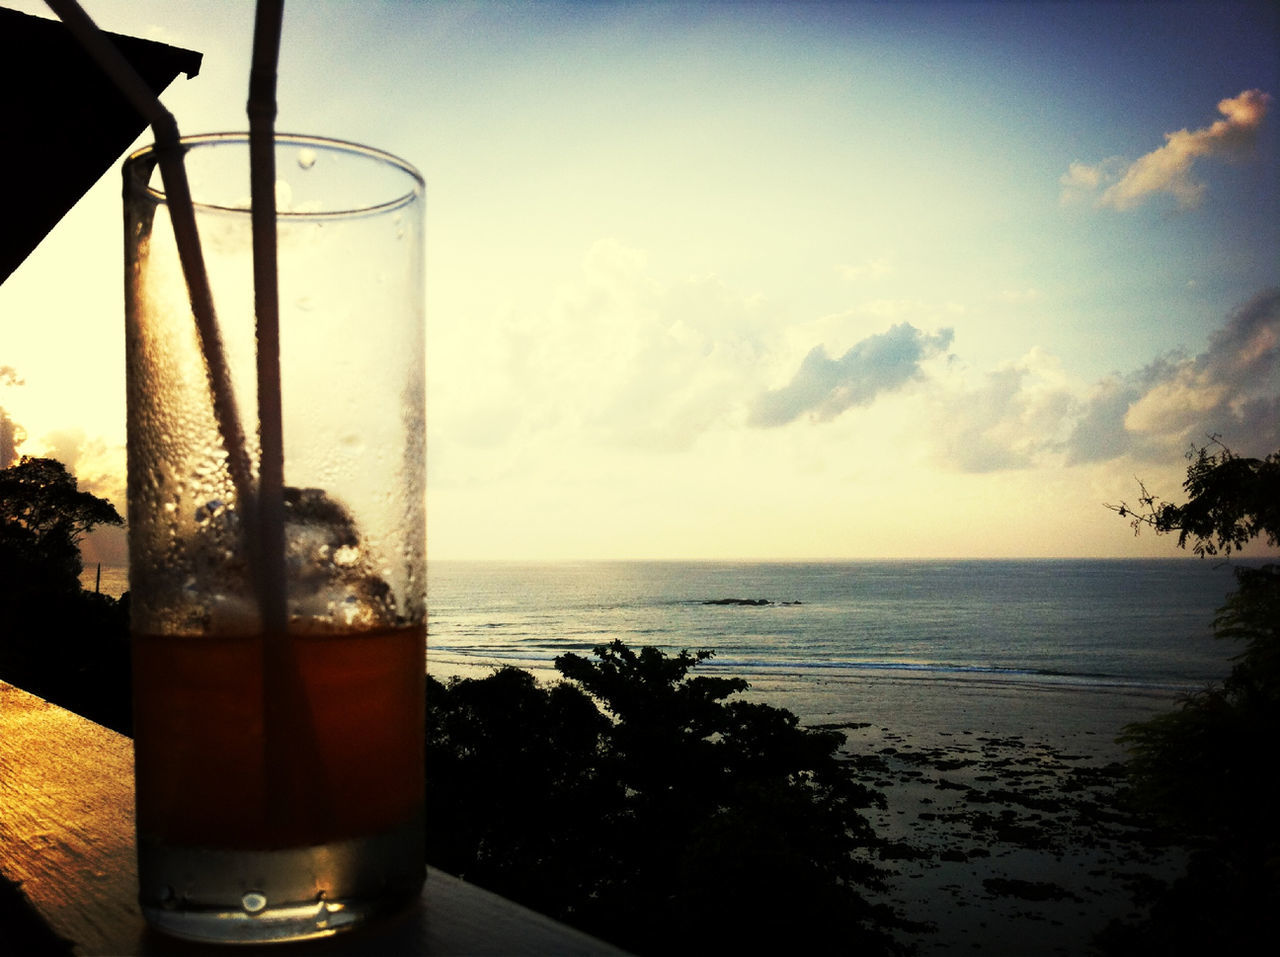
[[1232, 389], [871, 269], [616, 360], [1099, 433], [1081, 180], [1016, 416], [1028, 414], [1229, 389], [1169, 168], [620, 364], [1018, 296], [98, 467], [826, 387], [11, 436], [11, 433]]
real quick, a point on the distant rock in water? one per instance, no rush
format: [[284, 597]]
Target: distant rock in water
[[747, 601]]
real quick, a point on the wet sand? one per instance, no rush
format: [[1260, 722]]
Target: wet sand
[[1007, 835], [1005, 832], [1005, 845]]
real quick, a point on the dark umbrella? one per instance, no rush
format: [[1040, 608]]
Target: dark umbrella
[[65, 123]]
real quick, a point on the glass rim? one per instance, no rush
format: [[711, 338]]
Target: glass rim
[[148, 156]]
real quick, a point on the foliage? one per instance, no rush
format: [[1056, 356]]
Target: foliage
[[1231, 501], [673, 820], [43, 516], [513, 785], [59, 641], [1206, 768], [1203, 766]]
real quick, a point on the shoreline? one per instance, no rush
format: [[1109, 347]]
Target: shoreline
[[1006, 842], [1065, 714], [1002, 805], [1004, 845], [1002, 801]]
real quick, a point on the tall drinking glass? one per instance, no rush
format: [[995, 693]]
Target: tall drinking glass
[[279, 775]]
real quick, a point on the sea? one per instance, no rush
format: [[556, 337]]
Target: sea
[[1046, 648], [836, 641], [1125, 622]]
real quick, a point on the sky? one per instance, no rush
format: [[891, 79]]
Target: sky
[[763, 281]]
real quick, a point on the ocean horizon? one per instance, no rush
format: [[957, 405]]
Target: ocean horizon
[[816, 635], [1126, 621], [1106, 620]]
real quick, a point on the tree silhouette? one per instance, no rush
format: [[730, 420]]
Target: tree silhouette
[[633, 800], [58, 641], [43, 517], [1207, 768], [1231, 501]]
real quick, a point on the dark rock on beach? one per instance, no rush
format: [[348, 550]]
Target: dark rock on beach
[[747, 601]]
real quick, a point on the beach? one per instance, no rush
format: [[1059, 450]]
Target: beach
[[1002, 807], [983, 699], [998, 761], [1001, 812], [1003, 845]]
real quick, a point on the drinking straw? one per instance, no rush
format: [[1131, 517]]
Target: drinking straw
[[263, 512], [290, 747], [173, 174], [266, 301]]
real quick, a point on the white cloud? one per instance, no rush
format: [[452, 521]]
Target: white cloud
[[1081, 180], [1176, 405], [12, 434], [1231, 389], [871, 269], [578, 390], [1013, 419], [1028, 414], [1018, 296], [98, 467], [1169, 168], [616, 359], [1099, 432], [824, 387]]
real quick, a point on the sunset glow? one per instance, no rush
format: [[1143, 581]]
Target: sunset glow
[[763, 280]]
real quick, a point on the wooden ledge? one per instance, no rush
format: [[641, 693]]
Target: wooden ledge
[[66, 838]]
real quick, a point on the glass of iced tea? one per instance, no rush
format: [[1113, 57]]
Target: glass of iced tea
[[279, 769]]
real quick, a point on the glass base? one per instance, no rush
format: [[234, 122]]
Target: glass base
[[290, 894]]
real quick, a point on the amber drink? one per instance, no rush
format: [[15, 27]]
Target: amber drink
[[279, 757]]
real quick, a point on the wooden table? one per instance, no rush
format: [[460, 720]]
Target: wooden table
[[66, 837]]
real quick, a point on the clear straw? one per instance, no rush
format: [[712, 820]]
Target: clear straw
[[266, 301], [182, 214], [263, 510], [284, 700]]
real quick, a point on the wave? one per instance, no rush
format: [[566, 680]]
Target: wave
[[532, 655], [944, 670]]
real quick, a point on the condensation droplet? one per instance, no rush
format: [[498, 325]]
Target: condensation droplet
[[253, 902], [306, 158]]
